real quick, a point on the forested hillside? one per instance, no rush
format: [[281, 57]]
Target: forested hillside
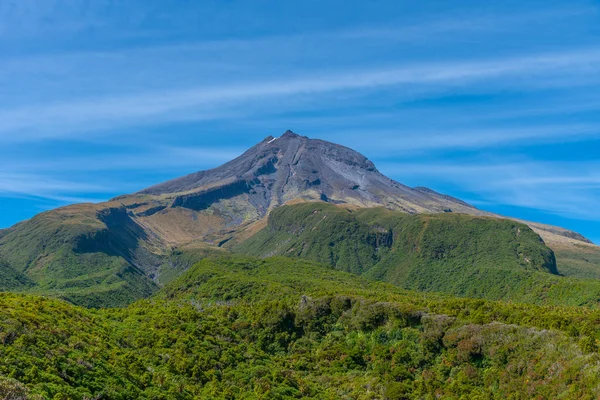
[[11, 279]]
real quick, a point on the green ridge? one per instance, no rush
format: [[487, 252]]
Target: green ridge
[[580, 261], [459, 254]]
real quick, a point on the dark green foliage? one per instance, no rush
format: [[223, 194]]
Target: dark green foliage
[[458, 254], [180, 260], [232, 277], [293, 329], [238, 327], [358, 241], [11, 279]]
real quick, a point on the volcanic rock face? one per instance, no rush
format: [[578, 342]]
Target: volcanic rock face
[[292, 167]]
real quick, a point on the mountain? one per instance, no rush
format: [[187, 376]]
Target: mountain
[[126, 248], [333, 319], [291, 167]]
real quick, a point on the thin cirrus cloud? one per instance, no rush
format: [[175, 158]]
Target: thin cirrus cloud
[[27, 17], [406, 141], [139, 159], [568, 189], [31, 183], [150, 107], [35, 185], [224, 54], [480, 23]]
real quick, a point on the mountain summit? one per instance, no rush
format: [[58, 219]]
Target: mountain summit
[[292, 167]]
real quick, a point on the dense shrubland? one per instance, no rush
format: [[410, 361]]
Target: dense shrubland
[[238, 327]]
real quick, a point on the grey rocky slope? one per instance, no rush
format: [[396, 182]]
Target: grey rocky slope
[[278, 170]]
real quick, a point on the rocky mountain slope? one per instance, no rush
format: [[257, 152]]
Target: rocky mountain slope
[[290, 167]]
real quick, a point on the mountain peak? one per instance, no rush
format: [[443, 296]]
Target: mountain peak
[[287, 135], [295, 167], [291, 134]]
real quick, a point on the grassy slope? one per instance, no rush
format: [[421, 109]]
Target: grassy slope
[[574, 258], [237, 327], [458, 254], [85, 254], [581, 261], [71, 253]]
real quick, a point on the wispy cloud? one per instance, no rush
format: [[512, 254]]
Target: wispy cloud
[[74, 117], [38, 179], [29, 184], [148, 158], [395, 142], [474, 22], [569, 189], [25, 17], [39, 186]]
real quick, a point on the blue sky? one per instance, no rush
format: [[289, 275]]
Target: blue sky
[[497, 103]]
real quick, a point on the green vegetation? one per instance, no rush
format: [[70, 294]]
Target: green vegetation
[[77, 253], [458, 254], [581, 261], [11, 279], [395, 244], [323, 303], [88, 255], [243, 328], [316, 326], [179, 260]]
